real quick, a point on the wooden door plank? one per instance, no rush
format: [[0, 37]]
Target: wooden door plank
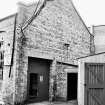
[[85, 84], [99, 101], [96, 86]]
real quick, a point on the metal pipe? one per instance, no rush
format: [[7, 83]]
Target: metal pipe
[[13, 46]]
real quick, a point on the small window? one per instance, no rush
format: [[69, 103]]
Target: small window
[[1, 60], [1, 43], [1, 65]]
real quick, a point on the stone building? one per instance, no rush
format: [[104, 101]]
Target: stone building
[[39, 46]]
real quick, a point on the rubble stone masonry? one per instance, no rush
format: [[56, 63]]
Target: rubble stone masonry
[[7, 84], [56, 26]]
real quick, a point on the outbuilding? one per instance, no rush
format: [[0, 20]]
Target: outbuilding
[[91, 80]]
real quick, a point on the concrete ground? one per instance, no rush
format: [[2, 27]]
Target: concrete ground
[[56, 103], [1, 101]]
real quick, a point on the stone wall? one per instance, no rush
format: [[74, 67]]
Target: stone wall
[[7, 88], [56, 25]]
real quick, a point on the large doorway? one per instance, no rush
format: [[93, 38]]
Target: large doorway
[[72, 86], [38, 79]]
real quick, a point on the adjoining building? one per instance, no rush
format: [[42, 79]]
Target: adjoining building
[[99, 37], [91, 80], [39, 46], [91, 72]]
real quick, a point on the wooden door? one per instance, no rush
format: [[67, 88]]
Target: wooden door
[[94, 84]]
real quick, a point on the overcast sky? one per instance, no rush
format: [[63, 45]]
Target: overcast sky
[[91, 11]]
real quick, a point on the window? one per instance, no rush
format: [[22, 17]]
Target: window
[[1, 60]]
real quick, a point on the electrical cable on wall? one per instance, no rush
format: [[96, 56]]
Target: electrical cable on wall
[[36, 12]]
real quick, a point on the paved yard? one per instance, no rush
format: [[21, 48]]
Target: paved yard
[[56, 103]]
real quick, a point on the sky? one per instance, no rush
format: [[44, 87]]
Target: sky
[[91, 11]]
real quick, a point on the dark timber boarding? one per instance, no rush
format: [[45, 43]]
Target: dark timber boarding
[[94, 84]]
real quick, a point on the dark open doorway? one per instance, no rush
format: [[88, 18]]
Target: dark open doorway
[[71, 86], [33, 89], [38, 79]]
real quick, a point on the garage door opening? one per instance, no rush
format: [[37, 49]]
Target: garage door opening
[[72, 86], [38, 79]]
